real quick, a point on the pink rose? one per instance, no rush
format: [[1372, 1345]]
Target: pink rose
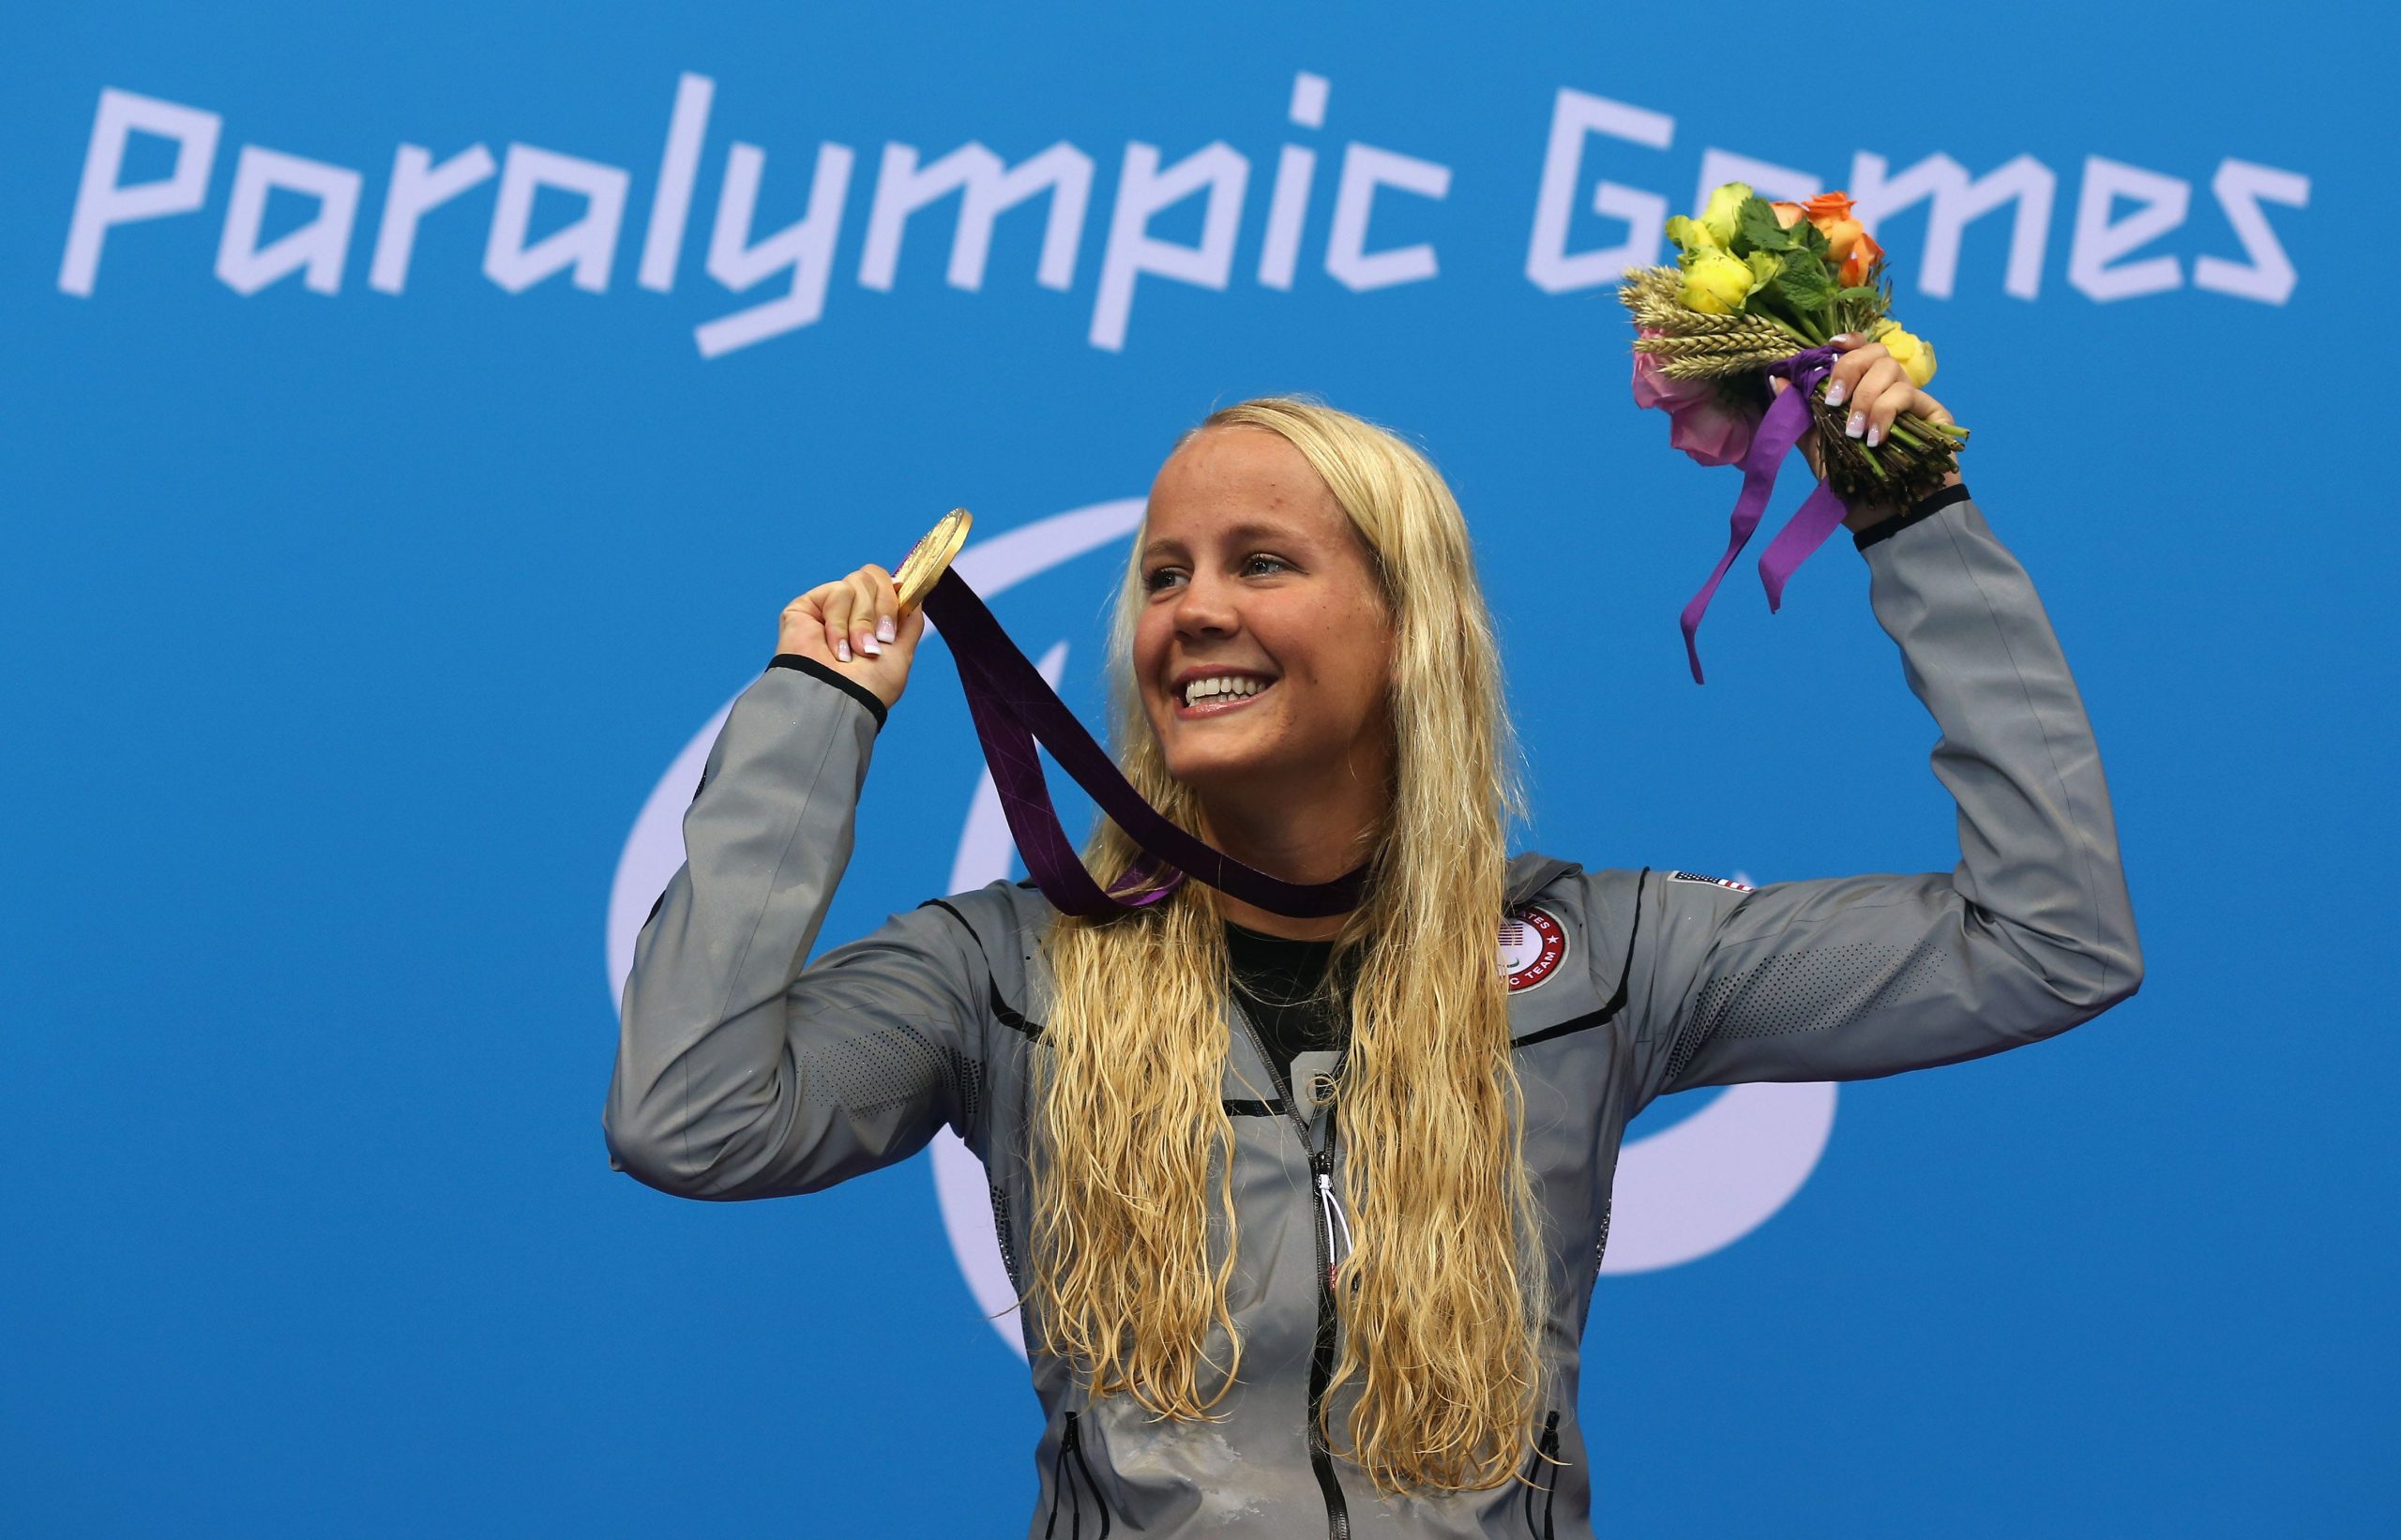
[[1697, 422]]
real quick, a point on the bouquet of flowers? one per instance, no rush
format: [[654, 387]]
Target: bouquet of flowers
[[1759, 291]]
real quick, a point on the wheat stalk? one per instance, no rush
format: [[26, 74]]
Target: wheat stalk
[[1718, 367], [1655, 297], [1746, 340], [1778, 346]]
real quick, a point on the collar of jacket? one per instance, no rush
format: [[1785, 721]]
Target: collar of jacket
[[1530, 872]]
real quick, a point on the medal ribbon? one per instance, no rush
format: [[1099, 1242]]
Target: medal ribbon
[[1015, 708], [1787, 419]]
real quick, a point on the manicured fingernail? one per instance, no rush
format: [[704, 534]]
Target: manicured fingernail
[[1873, 434], [1835, 394], [886, 630], [842, 651], [872, 647], [1856, 426]]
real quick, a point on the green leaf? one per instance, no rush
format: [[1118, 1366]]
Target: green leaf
[[1755, 224], [1857, 294], [1765, 268], [1805, 284]]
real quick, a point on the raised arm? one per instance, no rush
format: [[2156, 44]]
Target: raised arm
[[1847, 978], [741, 1073]]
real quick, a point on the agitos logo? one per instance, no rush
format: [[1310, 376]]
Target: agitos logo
[[1381, 199]]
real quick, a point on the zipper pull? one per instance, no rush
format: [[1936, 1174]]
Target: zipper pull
[[1331, 1207]]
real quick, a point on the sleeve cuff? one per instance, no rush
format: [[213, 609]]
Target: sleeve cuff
[[1926, 507], [849, 687]]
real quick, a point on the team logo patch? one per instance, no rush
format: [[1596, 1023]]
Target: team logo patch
[[1532, 945], [1714, 882]]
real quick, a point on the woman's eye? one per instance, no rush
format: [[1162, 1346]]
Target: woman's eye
[[1158, 577], [1259, 561]]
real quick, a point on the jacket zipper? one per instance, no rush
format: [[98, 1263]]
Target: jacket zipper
[[1337, 1515], [1071, 1446], [1338, 1512], [1546, 1453]]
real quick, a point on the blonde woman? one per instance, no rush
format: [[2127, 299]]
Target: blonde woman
[[1305, 1216]]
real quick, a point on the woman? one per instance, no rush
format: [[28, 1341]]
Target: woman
[[1306, 1215]]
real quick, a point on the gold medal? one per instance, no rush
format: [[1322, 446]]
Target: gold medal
[[930, 558]]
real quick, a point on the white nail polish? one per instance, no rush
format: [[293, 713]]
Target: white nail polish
[[1835, 394], [842, 651], [1856, 426]]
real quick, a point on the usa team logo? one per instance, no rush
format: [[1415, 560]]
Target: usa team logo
[[1532, 945]]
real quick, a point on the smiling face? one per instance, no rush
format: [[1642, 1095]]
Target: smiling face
[[1263, 648]]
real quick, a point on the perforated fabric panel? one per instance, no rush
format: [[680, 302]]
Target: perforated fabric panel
[[1007, 1233], [970, 1080], [890, 1067], [1807, 992]]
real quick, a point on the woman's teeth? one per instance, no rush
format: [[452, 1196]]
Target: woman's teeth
[[1224, 685]]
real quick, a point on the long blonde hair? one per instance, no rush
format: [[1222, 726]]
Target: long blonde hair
[[1133, 1239]]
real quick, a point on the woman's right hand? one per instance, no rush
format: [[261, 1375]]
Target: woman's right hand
[[853, 625]]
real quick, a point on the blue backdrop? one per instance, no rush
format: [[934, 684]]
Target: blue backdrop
[[404, 448]]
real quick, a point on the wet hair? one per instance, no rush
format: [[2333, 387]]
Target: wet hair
[[1134, 1238]]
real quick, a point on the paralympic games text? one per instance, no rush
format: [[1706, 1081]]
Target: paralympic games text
[[801, 256]]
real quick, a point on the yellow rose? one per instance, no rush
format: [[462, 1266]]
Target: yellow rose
[[1913, 352], [1721, 216], [1692, 237], [1716, 283]]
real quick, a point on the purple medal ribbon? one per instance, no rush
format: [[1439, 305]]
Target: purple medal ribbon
[[1014, 708], [1787, 419]]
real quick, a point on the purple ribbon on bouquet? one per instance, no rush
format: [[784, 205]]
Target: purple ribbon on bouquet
[[1787, 419], [1014, 708]]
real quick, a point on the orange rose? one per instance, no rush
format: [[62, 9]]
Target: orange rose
[[1789, 215], [1830, 213], [1841, 236], [1865, 257]]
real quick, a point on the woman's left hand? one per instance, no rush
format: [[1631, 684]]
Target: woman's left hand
[[1877, 390]]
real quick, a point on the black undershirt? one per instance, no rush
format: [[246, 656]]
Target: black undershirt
[[1276, 980]]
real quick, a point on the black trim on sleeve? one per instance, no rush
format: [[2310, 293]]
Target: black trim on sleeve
[[1589, 1019], [849, 687], [1927, 507], [1005, 1016], [1615, 1003], [952, 909], [1001, 1011]]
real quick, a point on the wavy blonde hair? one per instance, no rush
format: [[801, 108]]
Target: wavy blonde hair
[[1133, 1234]]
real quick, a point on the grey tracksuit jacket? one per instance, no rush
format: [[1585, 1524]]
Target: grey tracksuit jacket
[[745, 1071]]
